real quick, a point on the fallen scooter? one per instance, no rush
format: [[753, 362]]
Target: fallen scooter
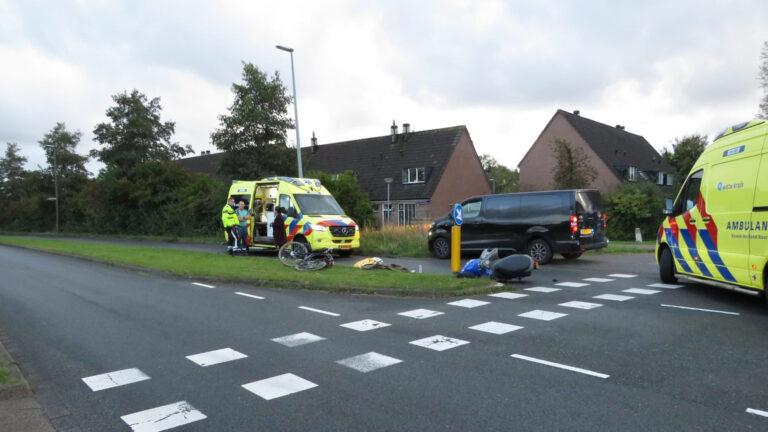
[[503, 270]]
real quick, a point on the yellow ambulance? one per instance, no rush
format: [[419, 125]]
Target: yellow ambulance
[[716, 231], [312, 214]]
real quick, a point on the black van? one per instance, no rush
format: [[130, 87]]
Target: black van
[[568, 222]]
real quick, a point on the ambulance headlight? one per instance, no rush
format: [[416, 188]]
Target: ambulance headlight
[[357, 228], [319, 228]]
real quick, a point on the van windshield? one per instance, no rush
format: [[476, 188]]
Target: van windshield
[[318, 204], [588, 202]]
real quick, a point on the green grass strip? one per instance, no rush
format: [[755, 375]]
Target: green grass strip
[[3, 375], [260, 270]]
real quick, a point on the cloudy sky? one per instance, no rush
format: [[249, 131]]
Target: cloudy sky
[[663, 69]]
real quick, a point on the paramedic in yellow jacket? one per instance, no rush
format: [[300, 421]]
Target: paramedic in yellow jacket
[[230, 222]]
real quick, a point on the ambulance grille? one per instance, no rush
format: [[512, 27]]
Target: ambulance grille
[[342, 231]]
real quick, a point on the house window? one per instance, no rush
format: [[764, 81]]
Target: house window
[[665, 179], [632, 174], [670, 180], [406, 214], [386, 213], [413, 175]]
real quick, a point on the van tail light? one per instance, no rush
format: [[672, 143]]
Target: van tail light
[[574, 224], [605, 223]]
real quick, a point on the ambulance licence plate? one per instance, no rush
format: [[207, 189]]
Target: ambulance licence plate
[[586, 231], [345, 247]]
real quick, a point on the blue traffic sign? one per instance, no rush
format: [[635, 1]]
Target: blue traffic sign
[[458, 214]]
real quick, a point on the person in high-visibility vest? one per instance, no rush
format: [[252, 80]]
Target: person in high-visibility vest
[[230, 222]]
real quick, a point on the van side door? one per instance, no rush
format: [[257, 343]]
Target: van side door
[[502, 229], [472, 236]]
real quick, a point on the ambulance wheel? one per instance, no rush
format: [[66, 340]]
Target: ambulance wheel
[[540, 250], [441, 247], [667, 267], [303, 241]]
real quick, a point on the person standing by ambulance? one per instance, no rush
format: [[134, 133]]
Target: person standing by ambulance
[[243, 216], [230, 222]]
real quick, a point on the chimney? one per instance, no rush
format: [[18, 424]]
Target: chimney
[[619, 127], [406, 128], [576, 112], [315, 147], [393, 128]]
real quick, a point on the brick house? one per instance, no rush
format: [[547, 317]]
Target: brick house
[[427, 170], [618, 156]]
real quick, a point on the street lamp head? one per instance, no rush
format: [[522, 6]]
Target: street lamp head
[[282, 48], [388, 180]]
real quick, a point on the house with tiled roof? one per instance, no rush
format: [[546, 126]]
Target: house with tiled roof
[[409, 176], [617, 155]]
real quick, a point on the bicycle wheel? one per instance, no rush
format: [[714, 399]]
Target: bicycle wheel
[[311, 264], [291, 253]]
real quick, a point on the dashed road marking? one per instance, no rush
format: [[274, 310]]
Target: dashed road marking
[[508, 295], [469, 303], [580, 305], [211, 358], [543, 289], [600, 280], [665, 286], [495, 327], [365, 325], [369, 362], [640, 291], [572, 284], [163, 418], [298, 339], [561, 366], [613, 297], [700, 310], [421, 313], [757, 412], [279, 386], [542, 315], [439, 342], [115, 379], [318, 311], [622, 275], [249, 295], [203, 285]]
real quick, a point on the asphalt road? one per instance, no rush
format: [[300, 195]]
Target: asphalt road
[[634, 364]]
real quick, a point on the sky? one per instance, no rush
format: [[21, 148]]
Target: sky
[[662, 69]]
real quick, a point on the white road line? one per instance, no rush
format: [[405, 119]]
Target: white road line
[[439, 342], [613, 297], [469, 303], [757, 412], [115, 379], [561, 366], [640, 291], [279, 386], [420, 313], [318, 311], [572, 284], [163, 418], [665, 286], [622, 275], [495, 327], [365, 325], [369, 362], [543, 289], [702, 310], [298, 339], [215, 357], [542, 315], [601, 280], [203, 285], [249, 295], [508, 295], [580, 305]]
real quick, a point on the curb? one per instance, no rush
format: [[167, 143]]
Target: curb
[[18, 387]]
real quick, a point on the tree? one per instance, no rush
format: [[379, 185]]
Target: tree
[[684, 153], [135, 134], [11, 172], [763, 78], [253, 134], [346, 190], [635, 205], [573, 170], [504, 179]]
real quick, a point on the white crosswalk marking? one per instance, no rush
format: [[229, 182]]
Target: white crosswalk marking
[[600, 280], [495, 327], [542, 315], [572, 284], [115, 379], [369, 362], [665, 286], [640, 291], [215, 357], [439, 342], [580, 305], [365, 325], [421, 313], [508, 295], [279, 386], [298, 339], [543, 289], [469, 303], [622, 275], [613, 297], [163, 418]]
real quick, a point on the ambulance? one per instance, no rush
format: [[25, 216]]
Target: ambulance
[[312, 217], [716, 231]]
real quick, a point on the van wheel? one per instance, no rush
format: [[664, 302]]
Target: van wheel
[[667, 267], [571, 255], [540, 250], [441, 247]]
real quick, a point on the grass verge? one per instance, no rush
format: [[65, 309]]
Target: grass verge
[[261, 271], [395, 241], [3, 375]]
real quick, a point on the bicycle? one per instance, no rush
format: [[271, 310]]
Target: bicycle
[[298, 256]]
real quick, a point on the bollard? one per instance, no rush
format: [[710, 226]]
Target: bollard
[[455, 248], [638, 235]]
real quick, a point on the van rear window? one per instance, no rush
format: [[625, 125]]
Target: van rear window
[[589, 202]]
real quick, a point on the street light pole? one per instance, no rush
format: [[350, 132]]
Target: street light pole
[[56, 183], [295, 109], [389, 181]]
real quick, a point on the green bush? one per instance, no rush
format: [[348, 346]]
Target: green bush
[[635, 205]]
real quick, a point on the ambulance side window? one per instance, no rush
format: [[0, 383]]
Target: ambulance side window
[[690, 195], [286, 202]]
